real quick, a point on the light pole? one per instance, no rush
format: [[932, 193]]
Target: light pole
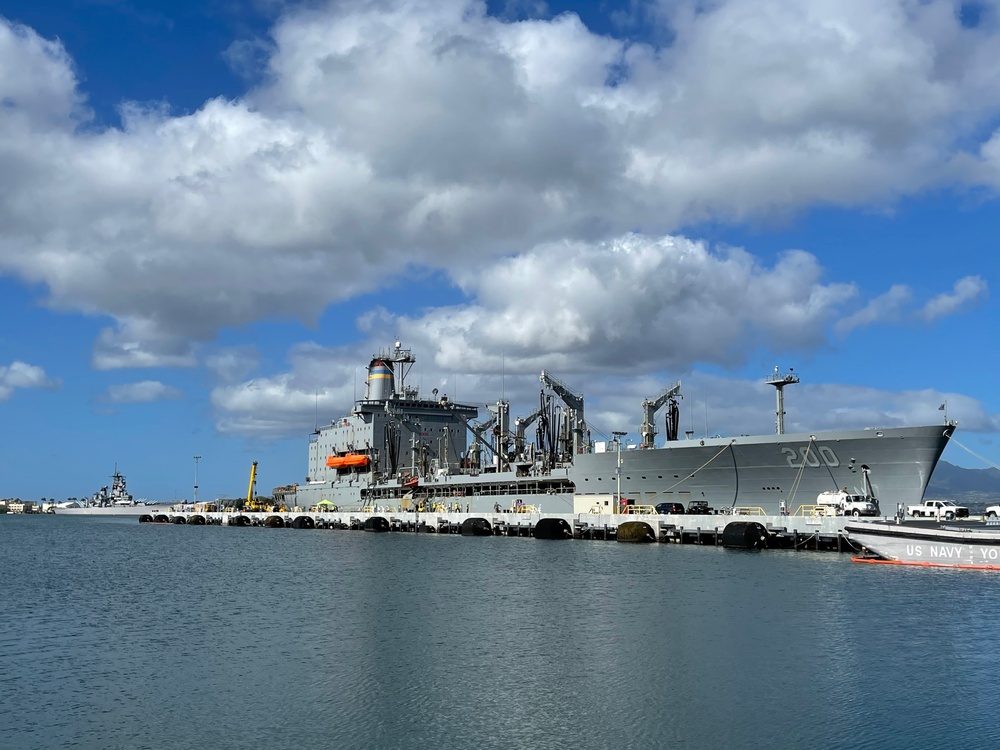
[[196, 460], [618, 469]]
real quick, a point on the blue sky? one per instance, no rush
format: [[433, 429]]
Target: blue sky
[[212, 216]]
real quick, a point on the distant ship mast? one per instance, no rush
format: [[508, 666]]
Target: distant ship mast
[[779, 381]]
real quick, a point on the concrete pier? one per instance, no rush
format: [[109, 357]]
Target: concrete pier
[[820, 533]]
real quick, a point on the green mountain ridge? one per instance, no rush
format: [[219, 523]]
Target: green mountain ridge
[[971, 487]]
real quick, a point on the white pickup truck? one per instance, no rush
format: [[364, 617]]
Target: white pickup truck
[[939, 509], [843, 503]]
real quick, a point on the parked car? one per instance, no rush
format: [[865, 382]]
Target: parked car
[[993, 511], [699, 507], [670, 509]]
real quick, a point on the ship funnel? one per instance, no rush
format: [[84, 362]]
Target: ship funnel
[[381, 381]]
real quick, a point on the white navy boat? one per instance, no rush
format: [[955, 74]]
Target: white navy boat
[[399, 449], [927, 544]]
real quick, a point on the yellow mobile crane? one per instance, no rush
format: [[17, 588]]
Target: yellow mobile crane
[[251, 504], [256, 504]]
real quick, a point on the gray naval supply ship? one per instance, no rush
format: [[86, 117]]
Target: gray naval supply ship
[[397, 449]]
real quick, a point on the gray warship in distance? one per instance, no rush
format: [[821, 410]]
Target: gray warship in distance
[[114, 502], [397, 449]]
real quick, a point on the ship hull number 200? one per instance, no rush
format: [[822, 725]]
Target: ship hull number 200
[[811, 456]]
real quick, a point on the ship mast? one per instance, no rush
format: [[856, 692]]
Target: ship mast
[[779, 381], [403, 358]]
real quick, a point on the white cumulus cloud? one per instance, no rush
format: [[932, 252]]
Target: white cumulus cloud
[[429, 135], [146, 391], [22, 375], [967, 291], [888, 307]]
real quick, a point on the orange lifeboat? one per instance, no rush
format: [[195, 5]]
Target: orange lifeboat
[[348, 461]]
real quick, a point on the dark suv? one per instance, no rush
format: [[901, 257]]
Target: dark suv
[[670, 509], [699, 507]]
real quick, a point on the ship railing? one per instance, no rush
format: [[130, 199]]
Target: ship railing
[[376, 508], [647, 510], [421, 507], [814, 511]]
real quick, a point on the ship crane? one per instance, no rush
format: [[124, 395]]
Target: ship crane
[[649, 409], [251, 503], [521, 425], [575, 421], [869, 489], [478, 430], [417, 446], [501, 447]]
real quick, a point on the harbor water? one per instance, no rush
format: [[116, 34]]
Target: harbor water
[[115, 634]]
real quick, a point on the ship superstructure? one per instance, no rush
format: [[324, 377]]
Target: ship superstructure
[[399, 449], [117, 496]]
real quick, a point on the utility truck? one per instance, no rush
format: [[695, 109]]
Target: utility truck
[[845, 503]]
